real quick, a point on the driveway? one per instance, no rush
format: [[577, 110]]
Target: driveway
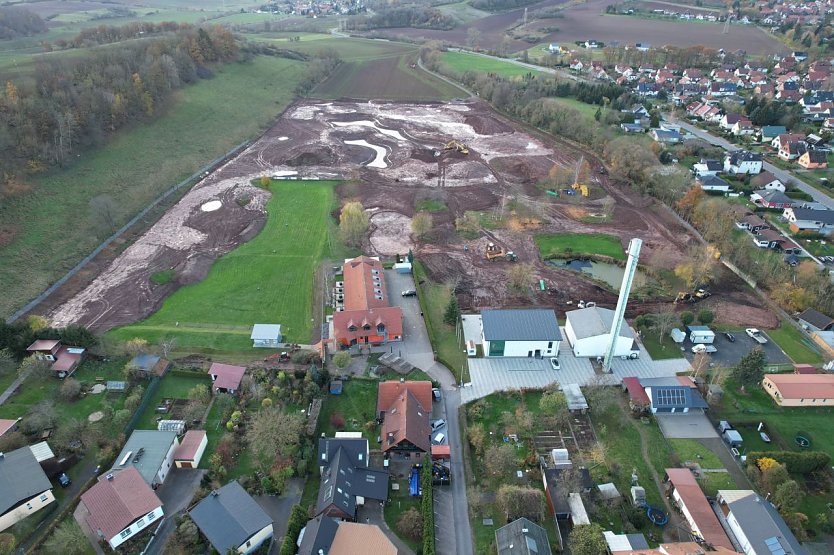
[[278, 507], [729, 354], [176, 495], [686, 426], [783, 175], [453, 535]]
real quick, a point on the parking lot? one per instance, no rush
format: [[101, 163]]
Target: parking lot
[[729, 354]]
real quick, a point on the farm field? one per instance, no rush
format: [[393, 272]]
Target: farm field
[[268, 279], [579, 244], [461, 62], [51, 226]]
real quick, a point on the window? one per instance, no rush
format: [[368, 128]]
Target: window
[[44, 497], [140, 522], [352, 328], [124, 533], [366, 327], [151, 515], [380, 328], [550, 344]]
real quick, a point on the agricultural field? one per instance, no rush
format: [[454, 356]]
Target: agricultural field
[[52, 227], [566, 245], [268, 279], [460, 62]]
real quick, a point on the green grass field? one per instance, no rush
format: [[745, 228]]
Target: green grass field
[[269, 279], [585, 109], [171, 387], [795, 344], [580, 244], [460, 62], [53, 227], [356, 403], [660, 349]]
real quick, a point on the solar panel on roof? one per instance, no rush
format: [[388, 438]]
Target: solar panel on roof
[[775, 546], [671, 397]]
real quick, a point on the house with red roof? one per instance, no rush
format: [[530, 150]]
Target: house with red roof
[[64, 359], [119, 506], [366, 317], [687, 494], [225, 378], [8, 426], [800, 390], [405, 410], [191, 449]]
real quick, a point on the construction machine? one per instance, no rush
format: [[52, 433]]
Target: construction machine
[[456, 145], [694, 297], [495, 252], [577, 186]]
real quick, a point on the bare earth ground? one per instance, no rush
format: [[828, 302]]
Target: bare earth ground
[[399, 162]]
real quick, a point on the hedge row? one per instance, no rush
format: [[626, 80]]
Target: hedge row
[[800, 462], [297, 521], [427, 507]]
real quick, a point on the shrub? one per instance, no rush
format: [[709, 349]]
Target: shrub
[[410, 523], [706, 316], [70, 389], [798, 462], [337, 421]]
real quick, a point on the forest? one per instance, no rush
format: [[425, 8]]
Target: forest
[[403, 16], [19, 22], [65, 105]]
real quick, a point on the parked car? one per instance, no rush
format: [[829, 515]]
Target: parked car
[[702, 348], [435, 393], [438, 439], [409, 293], [64, 480], [730, 337], [554, 363], [756, 335], [437, 424]]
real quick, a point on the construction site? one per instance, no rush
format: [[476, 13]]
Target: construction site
[[463, 159]]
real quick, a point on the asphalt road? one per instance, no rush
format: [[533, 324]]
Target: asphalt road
[[783, 175]]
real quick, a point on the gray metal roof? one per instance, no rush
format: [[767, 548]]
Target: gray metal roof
[[154, 445], [590, 322], [229, 516], [21, 478], [520, 325], [575, 398], [811, 215], [342, 482], [761, 524], [317, 535], [522, 537], [356, 450], [145, 362]]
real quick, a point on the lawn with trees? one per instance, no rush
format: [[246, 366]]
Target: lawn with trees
[[268, 279]]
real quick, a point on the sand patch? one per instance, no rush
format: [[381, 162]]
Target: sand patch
[[211, 206], [96, 416]]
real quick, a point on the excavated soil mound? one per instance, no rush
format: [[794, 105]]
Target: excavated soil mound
[[486, 126]]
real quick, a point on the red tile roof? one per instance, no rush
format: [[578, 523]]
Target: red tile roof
[[65, 360], [115, 504], [407, 419], [228, 375], [441, 452], [698, 506], [390, 316], [797, 369], [635, 391], [803, 386], [190, 445], [6, 425], [50, 345], [364, 282], [390, 390]]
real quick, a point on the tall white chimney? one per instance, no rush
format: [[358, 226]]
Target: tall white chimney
[[628, 277]]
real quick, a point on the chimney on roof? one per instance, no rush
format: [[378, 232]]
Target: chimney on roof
[[402, 380], [109, 477], [214, 493]]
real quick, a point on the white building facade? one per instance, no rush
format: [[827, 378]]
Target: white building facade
[[520, 333], [588, 331], [135, 527]]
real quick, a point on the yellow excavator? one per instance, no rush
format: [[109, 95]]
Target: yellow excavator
[[456, 145], [495, 252]]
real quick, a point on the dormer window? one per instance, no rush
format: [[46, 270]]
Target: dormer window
[[366, 327], [380, 328], [351, 328]]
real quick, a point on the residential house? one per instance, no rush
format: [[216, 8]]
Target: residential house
[[191, 449], [577, 65], [723, 89], [729, 120], [326, 535], [119, 506], [665, 136], [151, 452], [366, 317], [713, 183], [266, 336], [771, 199], [355, 448], [588, 331], [405, 409], [756, 524], [766, 181], [808, 219], [772, 239], [752, 223], [707, 167], [813, 320], [522, 537], [24, 487], [631, 127], [813, 160], [520, 333], [783, 139], [150, 365], [742, 162], [225, 378], [771, 132], [345, 487], [647, 89], [64, 359], [689, 497], [800, 390], [743, 128], [673, 398], [231, 520], [621, 544], [792, 151]]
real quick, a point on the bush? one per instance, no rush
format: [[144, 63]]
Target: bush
[[687, 317], [798, 462], [297, 520], [337, 421], [410, 523], [70, 389], [706, 316]]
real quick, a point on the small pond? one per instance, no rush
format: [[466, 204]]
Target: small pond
[[603, 271]]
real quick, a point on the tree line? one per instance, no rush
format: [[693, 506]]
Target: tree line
[[70, 104], [19, 22], [108, 34], [420, 17], [500, 5]]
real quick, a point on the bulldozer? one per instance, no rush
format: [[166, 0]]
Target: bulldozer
[[694, 297], [456, 145], [494, 252]]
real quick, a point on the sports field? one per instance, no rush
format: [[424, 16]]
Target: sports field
[[461, 62], [267, 280], [51, 227]]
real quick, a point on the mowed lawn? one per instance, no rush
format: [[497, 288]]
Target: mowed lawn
[[52, 224], [267, 280], [563, 245], [792, 341], [461, 62]]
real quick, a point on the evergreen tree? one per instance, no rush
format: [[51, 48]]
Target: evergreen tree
[[452, 311], [750, 369]]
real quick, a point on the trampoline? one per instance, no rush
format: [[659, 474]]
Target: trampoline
[[802, 441], [657, 516]]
